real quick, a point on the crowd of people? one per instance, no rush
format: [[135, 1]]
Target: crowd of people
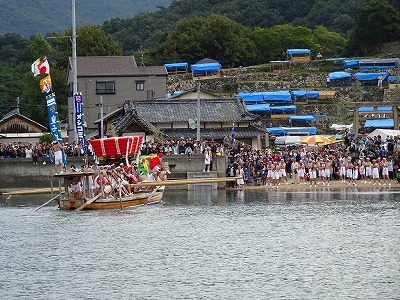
[[367, 160], [39, 152]]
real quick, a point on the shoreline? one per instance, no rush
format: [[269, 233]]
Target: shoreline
[[333, 185], [291, 186]]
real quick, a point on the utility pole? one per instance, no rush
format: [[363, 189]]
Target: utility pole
[[198, 110], [74, 66], [101, 118]]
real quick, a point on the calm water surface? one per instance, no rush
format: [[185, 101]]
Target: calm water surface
[[219, 245]]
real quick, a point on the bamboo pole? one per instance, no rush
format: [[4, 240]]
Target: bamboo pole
[[183, 181]]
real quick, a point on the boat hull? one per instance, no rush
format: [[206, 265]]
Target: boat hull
[[107, 203]]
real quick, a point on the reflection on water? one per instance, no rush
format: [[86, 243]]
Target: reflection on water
[[205, 244]]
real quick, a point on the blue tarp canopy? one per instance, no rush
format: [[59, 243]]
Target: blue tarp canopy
[[251, 97], [276, 130], [279, 96], [282, 109], [394, 79], [174, 66], [370, 76], [286, 130], [258, 107], [208, 67], [297, 51], [304, 93], [339, 75], [371, 108], [380, 123], [302, 118], [283, 96], [379, 63], [351, 63]]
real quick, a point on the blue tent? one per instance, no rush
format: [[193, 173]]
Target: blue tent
[[351, 63], [394, 79], [291, 52], [370, 76], [176, 66], [282, 109], [339, 75], [305, 94], [380, 123], [207, 67], [276, 130], [286, 130], [251, 97], [371, 109], [279, 96], [379, 63], [302, 118], [258, 107]]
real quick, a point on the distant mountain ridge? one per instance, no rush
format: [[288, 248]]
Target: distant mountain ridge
[[44, 16]]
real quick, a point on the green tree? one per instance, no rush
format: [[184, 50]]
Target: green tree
[[332, 44], [90, 41], [267, 43], [377, 22], [38, 47], [215, 37]]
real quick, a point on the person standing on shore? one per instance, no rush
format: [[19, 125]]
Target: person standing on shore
[[58, 160], [207, 159]]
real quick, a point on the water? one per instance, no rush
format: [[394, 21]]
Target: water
[[221, 245]]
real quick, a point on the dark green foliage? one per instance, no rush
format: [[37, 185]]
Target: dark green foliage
[[377, 22]]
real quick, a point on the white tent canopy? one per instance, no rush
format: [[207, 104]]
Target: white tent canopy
[[287, 140], [384, 133], [340, 127]]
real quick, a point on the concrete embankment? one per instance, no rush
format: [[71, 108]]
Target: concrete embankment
[[19, 173]]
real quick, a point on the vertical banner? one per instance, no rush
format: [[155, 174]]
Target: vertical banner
[[53, 121], [80, 129]]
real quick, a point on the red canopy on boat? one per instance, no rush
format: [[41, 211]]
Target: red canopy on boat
[[117, 146]]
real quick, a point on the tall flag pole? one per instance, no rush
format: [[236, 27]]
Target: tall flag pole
[[74, 65], [54, 124], [42, 67]]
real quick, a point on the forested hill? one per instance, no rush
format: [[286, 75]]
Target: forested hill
[[146, 29], [28, 17]]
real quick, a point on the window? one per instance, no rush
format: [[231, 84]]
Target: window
[[105, 87], [140, 85]]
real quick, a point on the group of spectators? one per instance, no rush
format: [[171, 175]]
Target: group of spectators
[[39, 152], [354, 152]]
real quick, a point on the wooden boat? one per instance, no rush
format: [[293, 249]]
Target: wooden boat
[[100, 201]]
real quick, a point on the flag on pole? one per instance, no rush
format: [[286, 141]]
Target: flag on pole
[[80, 129], [40, 67], [53, 121], [45, 85]]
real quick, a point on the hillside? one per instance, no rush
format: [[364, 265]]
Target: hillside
[[146, 30], [44, 16]]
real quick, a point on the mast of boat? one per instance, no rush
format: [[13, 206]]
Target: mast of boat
[[74, 67]]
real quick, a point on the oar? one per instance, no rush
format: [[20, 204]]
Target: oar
[[44, 204], [152, 193], [88, 202]]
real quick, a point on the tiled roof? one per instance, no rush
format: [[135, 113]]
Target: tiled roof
[[211, 110], [208, 133], [114, 66], [15, 113]]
